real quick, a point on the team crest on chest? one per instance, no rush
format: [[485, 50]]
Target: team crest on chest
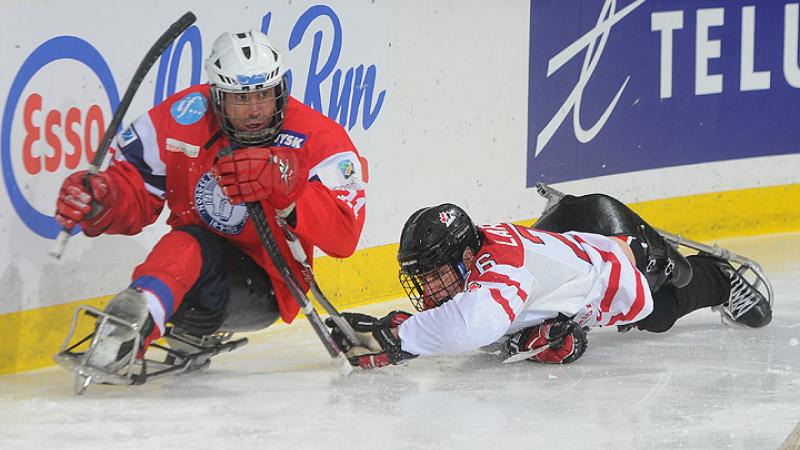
[[216, 209]]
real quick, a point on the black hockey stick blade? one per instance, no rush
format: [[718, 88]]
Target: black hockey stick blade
[[149, 59]]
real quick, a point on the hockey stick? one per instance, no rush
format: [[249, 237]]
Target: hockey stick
[[301, 257], [149, 59], [521, 356], [268, 241]]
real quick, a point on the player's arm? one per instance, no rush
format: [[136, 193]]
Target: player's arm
[[469, 321], [331, 210], [118, 200], [472, 319], [318, 190], [462, 324]]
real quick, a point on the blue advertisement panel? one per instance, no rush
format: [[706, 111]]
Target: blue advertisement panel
[[622, 86]]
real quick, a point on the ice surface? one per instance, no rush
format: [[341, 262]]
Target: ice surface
[[702, 385]]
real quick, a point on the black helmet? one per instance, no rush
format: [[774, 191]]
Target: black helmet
[[434, 237]]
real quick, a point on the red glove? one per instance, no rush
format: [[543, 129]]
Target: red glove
[[75, 204], [275, 174], [559, 342]]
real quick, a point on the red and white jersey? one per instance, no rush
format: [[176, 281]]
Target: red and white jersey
[[167, 155], [521, 277]]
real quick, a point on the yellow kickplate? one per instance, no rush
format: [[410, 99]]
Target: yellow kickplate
[[28, 339]]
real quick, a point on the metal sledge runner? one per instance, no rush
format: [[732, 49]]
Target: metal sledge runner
[[750, 287], [184, 353]]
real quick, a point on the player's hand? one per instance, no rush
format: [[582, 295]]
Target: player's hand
[[379, 346], [556, 342], [362, 324], [77, 205], [275, 174]]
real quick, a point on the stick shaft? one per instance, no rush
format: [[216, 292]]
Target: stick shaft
[[301, 257], [268, 241], [149, 59]]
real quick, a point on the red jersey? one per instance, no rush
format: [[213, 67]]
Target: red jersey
[[167, 155]]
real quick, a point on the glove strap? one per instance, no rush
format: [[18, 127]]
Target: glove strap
[[391, 345]]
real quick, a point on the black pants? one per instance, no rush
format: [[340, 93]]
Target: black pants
[[708, 287], [232, 291]]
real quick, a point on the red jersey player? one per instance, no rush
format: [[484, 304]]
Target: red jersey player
[[535, 292], [297, 163]]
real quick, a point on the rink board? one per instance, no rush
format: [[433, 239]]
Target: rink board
[[474, 110], [28, 339]]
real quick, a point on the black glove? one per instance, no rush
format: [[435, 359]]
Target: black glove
[[379, 347], [551, 342], [362, 324]]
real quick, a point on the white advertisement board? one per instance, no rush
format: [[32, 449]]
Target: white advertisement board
[[435, 95]]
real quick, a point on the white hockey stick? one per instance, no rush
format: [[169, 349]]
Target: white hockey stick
[[521, 356], [300, 256]]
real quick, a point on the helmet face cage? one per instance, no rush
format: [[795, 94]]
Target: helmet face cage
[[431, 251], [435, 287], [246, 65], [261, 137]]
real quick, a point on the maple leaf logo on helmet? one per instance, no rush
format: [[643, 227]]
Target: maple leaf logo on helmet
[[446, 218]]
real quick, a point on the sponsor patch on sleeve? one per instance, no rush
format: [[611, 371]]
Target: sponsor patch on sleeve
[[126, 137], [347, 168], [190, 109], [340, 171]]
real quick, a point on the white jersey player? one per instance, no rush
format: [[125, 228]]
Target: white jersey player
[[534, 291], [520, 278]]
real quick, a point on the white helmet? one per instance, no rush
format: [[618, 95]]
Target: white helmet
[[244, 63]]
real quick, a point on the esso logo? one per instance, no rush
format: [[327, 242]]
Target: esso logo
[[46, 133], [78, 139]]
